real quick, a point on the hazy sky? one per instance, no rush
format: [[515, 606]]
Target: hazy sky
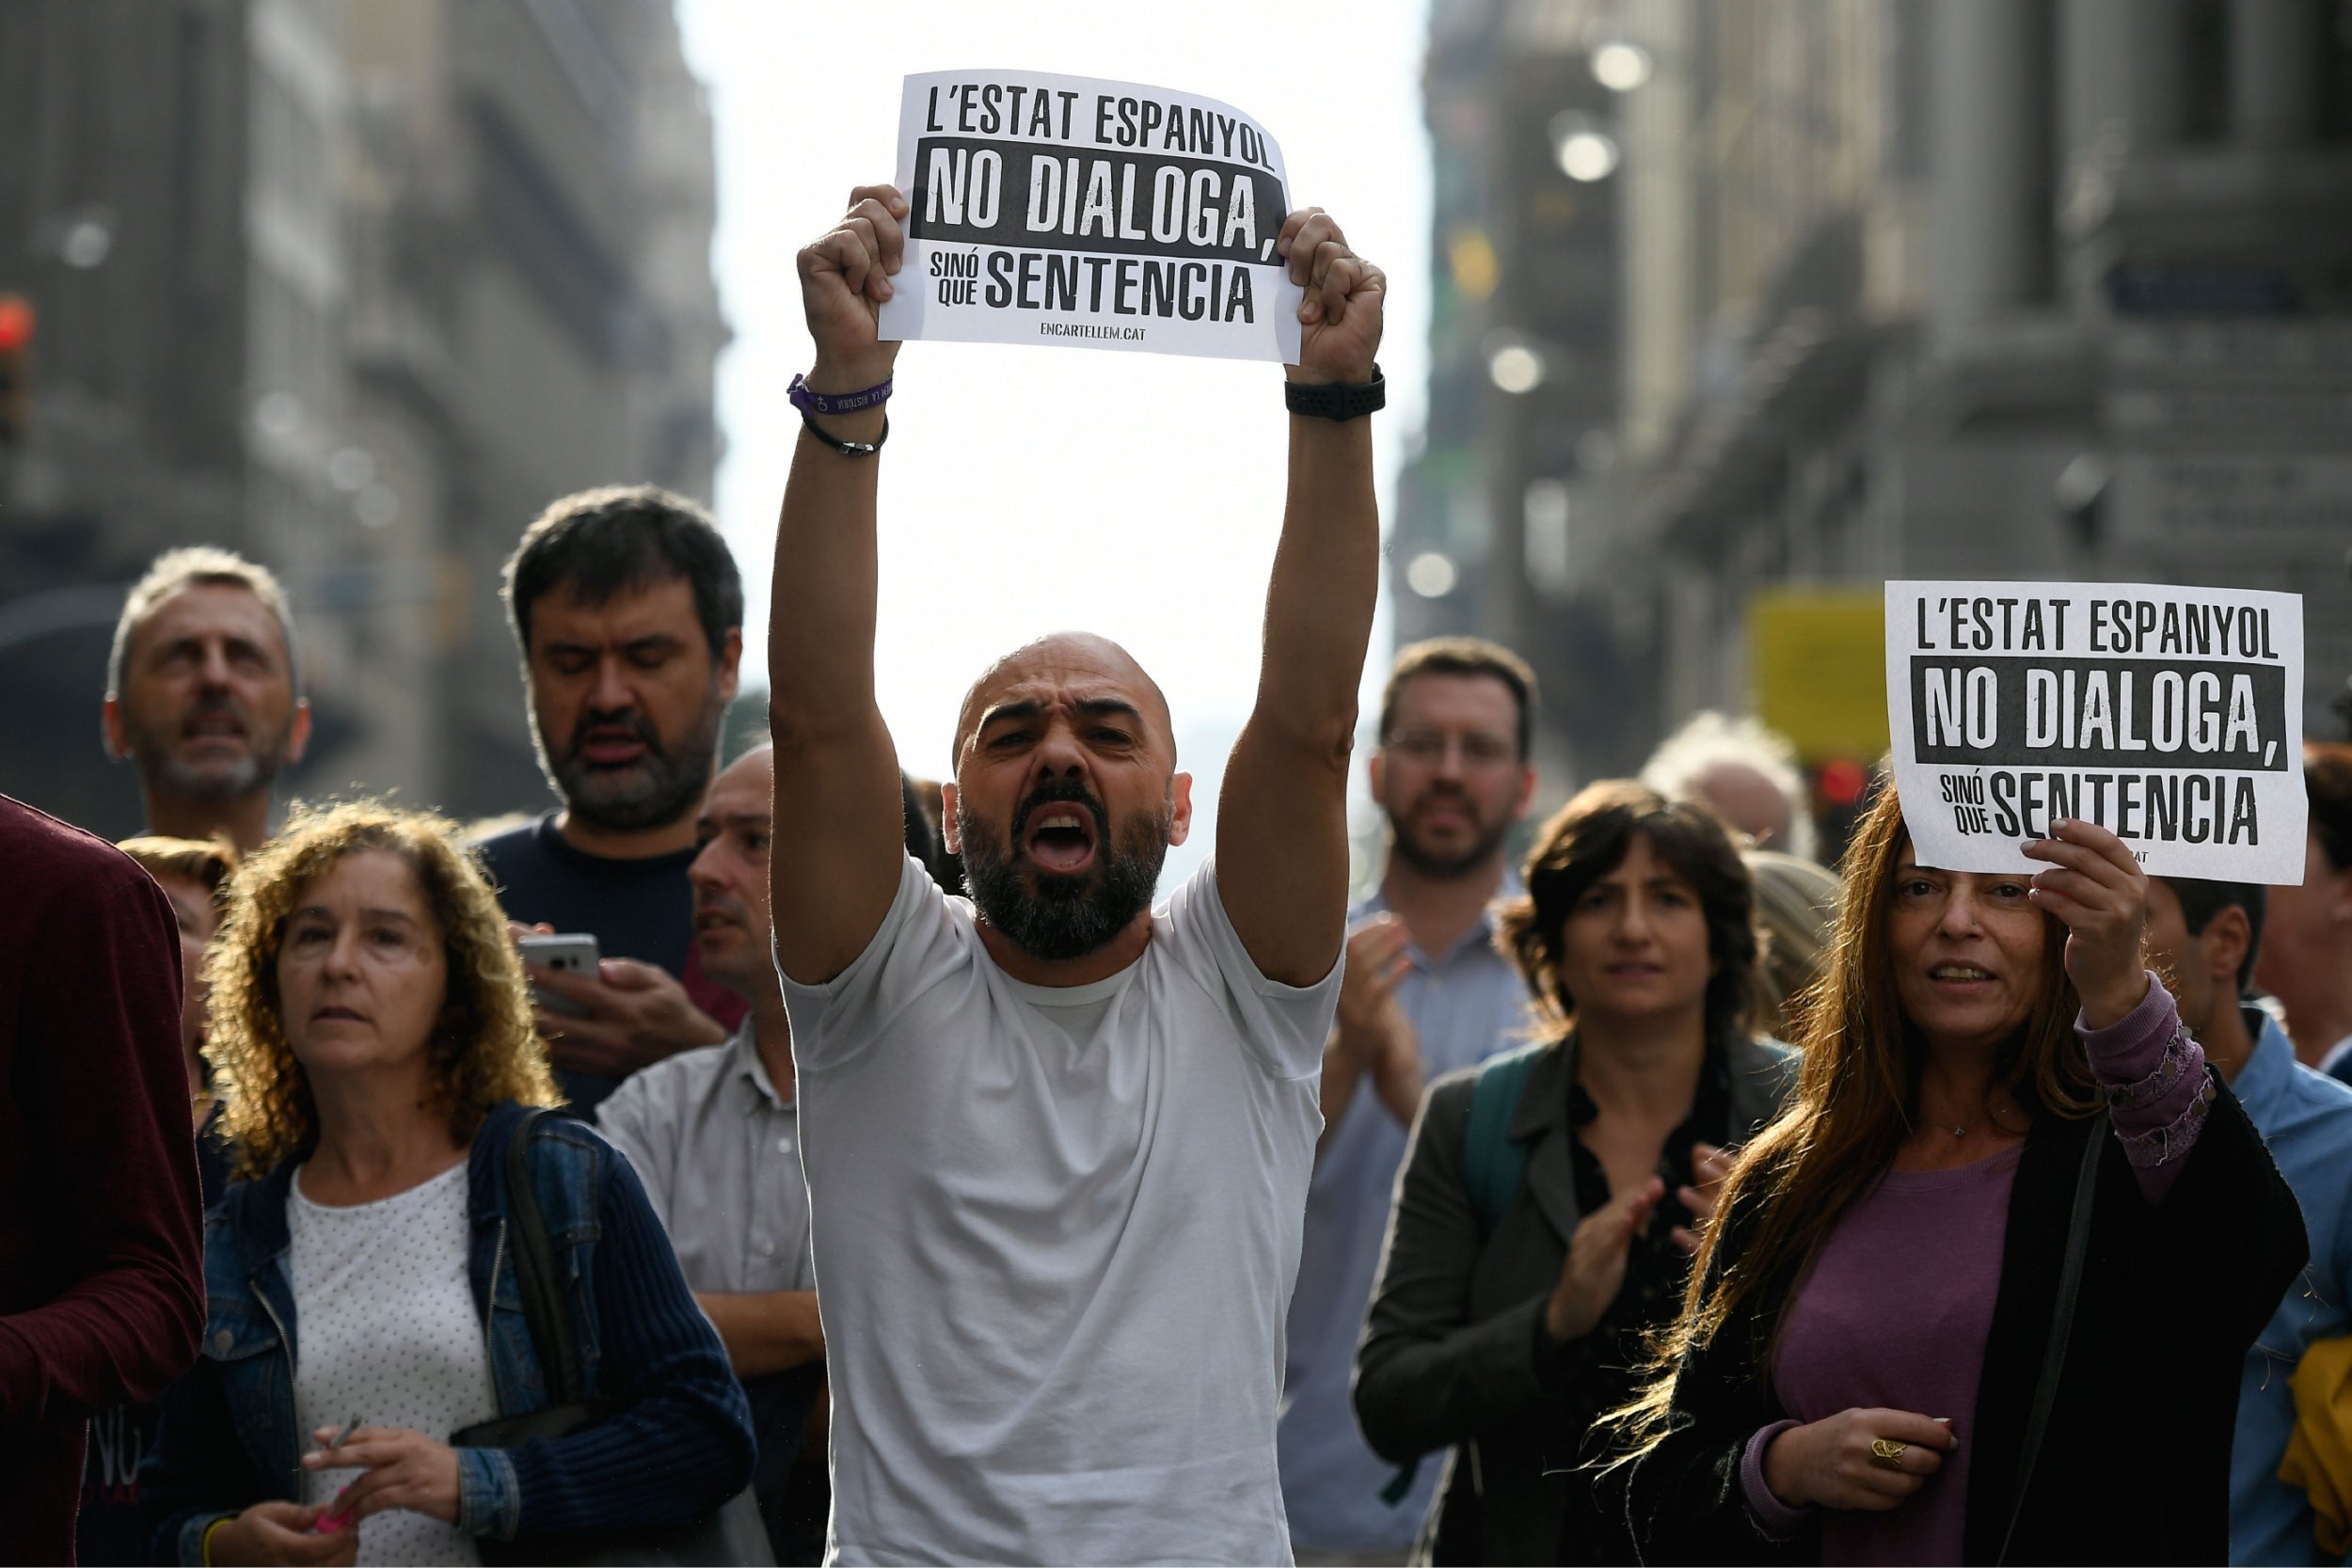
[[1029, 489]]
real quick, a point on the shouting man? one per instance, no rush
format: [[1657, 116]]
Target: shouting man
[[1058, 1141]]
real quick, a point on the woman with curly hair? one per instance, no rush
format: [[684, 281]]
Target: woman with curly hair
[[1544, 1217], [1983, 1292], [372, 1038]]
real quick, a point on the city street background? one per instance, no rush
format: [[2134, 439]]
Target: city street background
[[1705, 317]]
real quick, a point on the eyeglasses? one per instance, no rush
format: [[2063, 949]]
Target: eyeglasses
[[1479, 750]]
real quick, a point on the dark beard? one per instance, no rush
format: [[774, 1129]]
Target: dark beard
[[1065, 917], [654, 791], [1444, 868]]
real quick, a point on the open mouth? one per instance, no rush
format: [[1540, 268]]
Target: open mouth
[[1060, 839], [214, 728], [1959, 975], [713, 920], [611, 746]]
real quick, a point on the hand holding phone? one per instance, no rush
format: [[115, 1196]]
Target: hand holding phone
[[572, 952]]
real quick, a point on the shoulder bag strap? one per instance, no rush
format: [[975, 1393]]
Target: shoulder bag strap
[[534, 1269], [2061, 1324]]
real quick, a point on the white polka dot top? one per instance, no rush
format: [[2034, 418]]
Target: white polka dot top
[[385, 1331]]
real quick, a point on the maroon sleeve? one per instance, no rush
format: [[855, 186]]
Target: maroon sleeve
[[106, 1241]]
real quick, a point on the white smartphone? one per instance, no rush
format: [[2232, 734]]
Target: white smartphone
[[573, 952]]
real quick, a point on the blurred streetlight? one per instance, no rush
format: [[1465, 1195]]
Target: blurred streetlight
[[1621, 66], [1586, 152], [1432, 575], [1516, 368]]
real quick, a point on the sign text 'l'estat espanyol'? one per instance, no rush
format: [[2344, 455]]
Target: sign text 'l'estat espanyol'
[[1067, 212], [2173, 717]]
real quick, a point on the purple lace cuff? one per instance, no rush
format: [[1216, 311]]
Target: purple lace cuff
[[2182, 1057], [2161, 1145], [1774, 1518]]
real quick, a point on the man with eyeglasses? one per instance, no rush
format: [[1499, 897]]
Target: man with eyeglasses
[[1425, 992]]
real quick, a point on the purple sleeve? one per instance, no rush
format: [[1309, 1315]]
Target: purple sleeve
[[2157, 1088], [1775, 1519]]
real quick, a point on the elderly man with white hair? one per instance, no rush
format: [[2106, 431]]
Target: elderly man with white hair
[[1746, 771]]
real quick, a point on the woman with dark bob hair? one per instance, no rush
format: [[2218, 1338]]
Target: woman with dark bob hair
[[1985, 1290], [372, 1036], [1548, 1201]]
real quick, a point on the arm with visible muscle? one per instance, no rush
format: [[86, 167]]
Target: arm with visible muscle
[[838, 841], [1281, 842]]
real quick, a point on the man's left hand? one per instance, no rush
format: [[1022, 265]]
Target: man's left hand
[[638, 1014], [1339, 320]]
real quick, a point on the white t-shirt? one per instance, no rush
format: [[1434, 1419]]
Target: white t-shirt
[[1055, 1233], [385, 1331]]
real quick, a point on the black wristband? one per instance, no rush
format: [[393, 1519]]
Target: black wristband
[[1338, 401], [847, 449]]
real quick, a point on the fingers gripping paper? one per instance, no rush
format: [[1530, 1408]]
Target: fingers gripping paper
[[1072, 212], [2172, 716]]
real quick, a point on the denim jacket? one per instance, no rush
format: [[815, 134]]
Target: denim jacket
[[679, 1444]]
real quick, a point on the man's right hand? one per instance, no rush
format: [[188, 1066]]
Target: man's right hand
[[282, 1532], [1376, 960], [845, 277]]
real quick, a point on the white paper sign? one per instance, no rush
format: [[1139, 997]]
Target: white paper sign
[[1076, 214], [2173, 717]]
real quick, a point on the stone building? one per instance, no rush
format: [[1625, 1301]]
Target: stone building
[[1932, 288], [377, 279]]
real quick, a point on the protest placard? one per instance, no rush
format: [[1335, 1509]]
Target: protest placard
[[2172, 716], [1067, 212]]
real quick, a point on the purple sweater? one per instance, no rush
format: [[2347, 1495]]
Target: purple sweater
[[1894, 1313]]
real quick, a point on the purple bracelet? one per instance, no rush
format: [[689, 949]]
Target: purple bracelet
[[808, 400]]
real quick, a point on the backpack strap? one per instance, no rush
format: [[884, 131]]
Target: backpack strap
[[1494, 1167]]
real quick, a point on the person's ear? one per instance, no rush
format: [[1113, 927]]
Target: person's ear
[[950, 833], [298, 732], [1376, 769], [1527, 792], [2225, 941], [1179, 808], [110, 726], [731, 664]]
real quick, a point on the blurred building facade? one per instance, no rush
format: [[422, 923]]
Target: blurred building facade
[[353, 287], [1902, 288]]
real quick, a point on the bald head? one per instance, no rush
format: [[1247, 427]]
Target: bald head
[[1077, 667]]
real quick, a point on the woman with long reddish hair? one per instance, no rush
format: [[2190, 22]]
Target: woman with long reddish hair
[[1863, 1370]]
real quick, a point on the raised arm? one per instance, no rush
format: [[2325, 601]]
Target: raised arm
[[1281, 831], [838, 838]]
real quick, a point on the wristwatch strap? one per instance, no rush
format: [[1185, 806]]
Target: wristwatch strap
[[1337, 400]]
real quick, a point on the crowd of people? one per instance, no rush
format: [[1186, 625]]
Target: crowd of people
[[902, 1183]]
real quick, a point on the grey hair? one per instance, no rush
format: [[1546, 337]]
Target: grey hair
[[195, 565], [1712, 739]]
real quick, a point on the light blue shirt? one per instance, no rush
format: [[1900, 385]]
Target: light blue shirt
[[1465, 1005], [2306, 1119]]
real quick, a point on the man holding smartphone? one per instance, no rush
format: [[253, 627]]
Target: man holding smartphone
[[629, 610]]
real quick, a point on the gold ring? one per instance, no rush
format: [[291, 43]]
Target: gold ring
[[1886, 1453]]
